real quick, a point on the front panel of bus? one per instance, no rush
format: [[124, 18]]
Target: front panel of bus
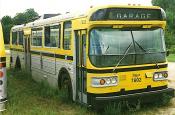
[[126, 56], [3, 78]]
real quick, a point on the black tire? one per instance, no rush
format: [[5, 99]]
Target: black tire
[[66, 86], [18, 64]]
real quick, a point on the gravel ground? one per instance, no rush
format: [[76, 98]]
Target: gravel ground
[[171, 71]]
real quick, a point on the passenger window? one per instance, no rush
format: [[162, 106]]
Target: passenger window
[[20, 35], [37, 37], [52, 36], [14, 38], [67, 35]]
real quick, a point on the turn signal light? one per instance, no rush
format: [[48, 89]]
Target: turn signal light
[[1, 74], [102, 82], [1, 65], [165, 75]]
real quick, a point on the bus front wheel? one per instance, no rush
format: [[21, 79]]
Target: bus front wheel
[[66, 86]]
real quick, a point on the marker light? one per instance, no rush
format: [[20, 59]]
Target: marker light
[[1, 65]]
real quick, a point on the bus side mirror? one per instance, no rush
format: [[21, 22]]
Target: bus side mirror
[[167, 53]]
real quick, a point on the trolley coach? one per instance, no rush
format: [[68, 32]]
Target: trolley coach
[[110, 53], [3, 78]]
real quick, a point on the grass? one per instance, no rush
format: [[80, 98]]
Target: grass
[[171, 58], [26, 97]]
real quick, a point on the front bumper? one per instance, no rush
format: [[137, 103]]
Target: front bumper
[[143, 97]]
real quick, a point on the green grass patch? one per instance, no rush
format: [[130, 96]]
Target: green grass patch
[[26, 97], [171, 58]]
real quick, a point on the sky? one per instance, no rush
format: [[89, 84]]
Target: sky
[[11, 7]]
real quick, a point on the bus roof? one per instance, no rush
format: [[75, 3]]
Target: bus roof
[[18, 27], [69, 16]]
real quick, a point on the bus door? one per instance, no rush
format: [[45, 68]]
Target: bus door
[[80, 60], [27, 55]]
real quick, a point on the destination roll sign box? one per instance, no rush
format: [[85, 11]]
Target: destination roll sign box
[[126, 14]]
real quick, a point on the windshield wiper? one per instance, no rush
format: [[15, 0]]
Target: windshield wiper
[[125, 53], [146, 51], [127, 49], [106, 49]]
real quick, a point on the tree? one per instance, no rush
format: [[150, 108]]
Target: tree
[[7, 24], [165, 4], [25, 17], [31, 15], [168, 6], [20, 18]]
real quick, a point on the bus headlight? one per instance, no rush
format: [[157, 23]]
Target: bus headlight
[[159, 76], [104, 81], [114, 80], [108, 81]]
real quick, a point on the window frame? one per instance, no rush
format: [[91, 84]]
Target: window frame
[[59, 36], [37, 29], [18, 32], [64, 28], [15, 43]]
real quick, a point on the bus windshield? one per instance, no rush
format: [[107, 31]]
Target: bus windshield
[[107, 46]]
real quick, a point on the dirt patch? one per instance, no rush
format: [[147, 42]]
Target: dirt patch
[[171, 71]]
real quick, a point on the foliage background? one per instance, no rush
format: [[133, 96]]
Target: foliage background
[[20, 18], [169, 7]]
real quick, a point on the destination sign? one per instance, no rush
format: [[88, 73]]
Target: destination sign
[[126, 14]]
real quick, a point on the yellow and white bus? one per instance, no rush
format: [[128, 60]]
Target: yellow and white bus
[[3, 78], [109, 53]]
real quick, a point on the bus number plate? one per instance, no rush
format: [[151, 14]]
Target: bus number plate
[[136, 78]]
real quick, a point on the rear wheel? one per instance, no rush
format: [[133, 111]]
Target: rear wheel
[[66, 87]]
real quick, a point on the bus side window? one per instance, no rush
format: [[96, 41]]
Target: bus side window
[[20, 37], [14, 38], [47, 36], [52, 36], [67, 35], [37, 37]]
